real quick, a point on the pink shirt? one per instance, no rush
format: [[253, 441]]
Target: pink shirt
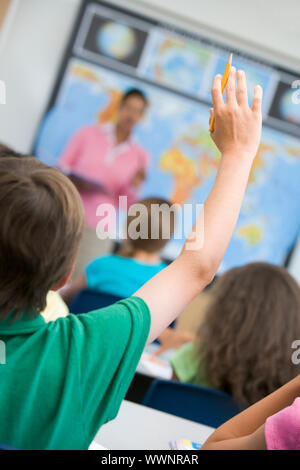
[[93, 154], [282, 431]]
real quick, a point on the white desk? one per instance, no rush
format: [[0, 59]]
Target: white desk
[[141, 428]]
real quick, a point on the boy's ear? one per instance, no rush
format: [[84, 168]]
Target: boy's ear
[[63, 281]]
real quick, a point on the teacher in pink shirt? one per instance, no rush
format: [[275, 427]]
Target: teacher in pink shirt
[[105, 162]]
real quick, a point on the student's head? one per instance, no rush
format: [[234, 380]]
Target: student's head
[[150, 225], [132, 108], [248, 331], [6, 151], [41, 225]]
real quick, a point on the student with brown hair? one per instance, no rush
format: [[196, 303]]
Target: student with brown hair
[[63, 380], [55, 306], [6, 151], [139, 257], [40, 229], [244, 344]]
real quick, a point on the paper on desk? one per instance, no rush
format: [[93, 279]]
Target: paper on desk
[[154, 367]]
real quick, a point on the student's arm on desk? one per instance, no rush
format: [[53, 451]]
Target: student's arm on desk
[[173, 339], [237, 135], [247, 429]]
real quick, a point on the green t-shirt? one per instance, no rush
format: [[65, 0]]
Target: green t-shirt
[[62, 380], [188, 365]]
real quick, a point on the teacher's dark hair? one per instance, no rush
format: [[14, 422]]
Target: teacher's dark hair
[[134, 92]]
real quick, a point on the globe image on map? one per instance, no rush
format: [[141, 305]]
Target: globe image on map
[[288, 109], [116, 40]]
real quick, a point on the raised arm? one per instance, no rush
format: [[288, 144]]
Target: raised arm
[[246, 430], [237, 134]]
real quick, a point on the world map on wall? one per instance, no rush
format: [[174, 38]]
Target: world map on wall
[[185, 160], [178, 63], [190, 66]]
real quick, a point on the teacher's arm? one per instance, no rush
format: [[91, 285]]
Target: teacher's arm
[[139, 178], [140, 175], [132, 188]]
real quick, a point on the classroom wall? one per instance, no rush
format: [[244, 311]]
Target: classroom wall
[[3, 10], [270, 28], [30, 54], [43, 27], [35, 34], [34, 42]]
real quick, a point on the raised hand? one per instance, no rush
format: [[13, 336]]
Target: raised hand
[[237, 126]]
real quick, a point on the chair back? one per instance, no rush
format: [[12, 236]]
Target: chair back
[[88, 300], [200, 404]]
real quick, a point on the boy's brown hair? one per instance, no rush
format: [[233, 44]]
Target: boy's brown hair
[[40, 230], [6, 151], [158, 212]]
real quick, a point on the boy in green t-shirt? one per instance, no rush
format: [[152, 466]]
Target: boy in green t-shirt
[[60, 381]]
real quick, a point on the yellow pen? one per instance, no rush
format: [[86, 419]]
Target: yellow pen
[[224, 83]]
